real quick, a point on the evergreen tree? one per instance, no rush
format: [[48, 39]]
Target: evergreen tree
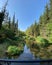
[[32, 30], [46, 15], [13, 23], [2, 14], [50, 9], [36, 29], [9, 22], [41, 21], [17, 25]]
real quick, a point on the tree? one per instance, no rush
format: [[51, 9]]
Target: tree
[[2, 14], [46, 15], [17, 25], [36, 29], [9, 22], [33, 30], [50, 9], [41, 22], [13, 23]]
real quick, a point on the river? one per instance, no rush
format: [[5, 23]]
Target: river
[[26, 56]]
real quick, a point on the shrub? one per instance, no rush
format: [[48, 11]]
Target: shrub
[[2, 36], [9, 34], [34, 45], [42, 42], [14, 50]]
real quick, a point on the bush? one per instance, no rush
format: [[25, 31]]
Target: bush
[[14, 50], [34, 45], [6, 34], [9, 34], [2, 36], [42, 42]]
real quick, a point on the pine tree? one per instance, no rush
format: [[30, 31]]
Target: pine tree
[[32, 30], [13, 23], [50, 9], [36, 29], [41, 21], [17, 25], [9, 22], [46, 15], [2, 14]]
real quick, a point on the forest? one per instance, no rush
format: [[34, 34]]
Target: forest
[[38, 36]]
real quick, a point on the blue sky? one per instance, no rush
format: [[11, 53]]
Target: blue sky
[[27, 11]]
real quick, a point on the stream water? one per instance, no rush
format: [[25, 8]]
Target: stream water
[[26, 56], [26, 49]]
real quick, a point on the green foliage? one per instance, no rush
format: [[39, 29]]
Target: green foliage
[[49, 31], [9, 23], [13, 23], [9, 34], [50, 9], [42, 42], [3, 48], [32, 30], [21, 34], [14, 50], [2, 35], [38, 36], [2, 14], [35, 45]]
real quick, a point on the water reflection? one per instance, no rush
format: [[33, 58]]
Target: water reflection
[[26, 49], [26, 56], [28, 53]]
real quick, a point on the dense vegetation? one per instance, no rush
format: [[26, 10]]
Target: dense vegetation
[[10, 36], [38, 36], [41, 31]]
